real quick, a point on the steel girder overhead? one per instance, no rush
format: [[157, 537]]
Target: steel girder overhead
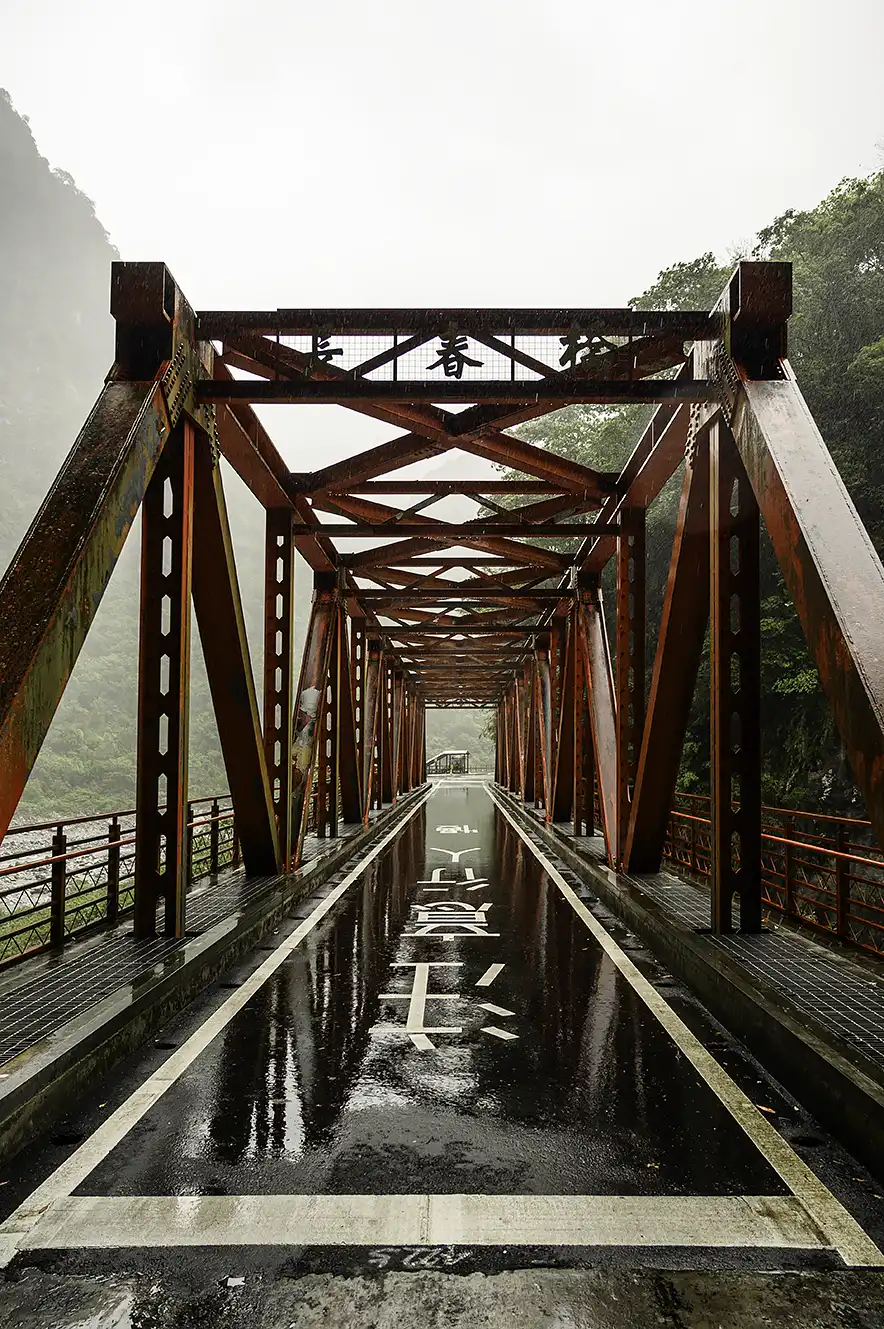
[[413, 608]]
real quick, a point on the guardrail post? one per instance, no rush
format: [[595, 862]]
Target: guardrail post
[[59, 874], [214, 834], [693, 826], [113, 869], [788, 871], [842, 880]]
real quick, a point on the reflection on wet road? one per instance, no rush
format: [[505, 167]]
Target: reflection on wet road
[[445, 1050], [450, 1027]]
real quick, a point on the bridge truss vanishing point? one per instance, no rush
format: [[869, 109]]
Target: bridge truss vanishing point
[[503, 610]]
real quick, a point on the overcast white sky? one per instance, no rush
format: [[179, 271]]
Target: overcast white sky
[[460, 152], [506, 152]]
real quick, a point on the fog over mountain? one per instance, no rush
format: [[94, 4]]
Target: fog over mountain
[[56, 345]]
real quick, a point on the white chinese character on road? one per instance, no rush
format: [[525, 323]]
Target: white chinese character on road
[[437, 918], [456, 854], [456, 830], [416, 1027]]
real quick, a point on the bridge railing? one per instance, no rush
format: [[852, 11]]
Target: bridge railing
[[59, 879], [826, 872]]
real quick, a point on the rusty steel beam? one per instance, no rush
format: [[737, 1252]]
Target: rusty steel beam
[[515, 553], [219, 615], [596, 658], [468, 532], [466, 488], [829, 564], [161, 866], [348, 755], [279, 622], [676, 662], [309, 709], [630, 652], [545, 722], [462, 592], [217, 324], [564, 778], [455, 391], [431, 429], [372, 727], [55, 582], [735, 660]]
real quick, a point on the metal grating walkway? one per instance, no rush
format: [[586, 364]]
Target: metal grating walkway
[[39, 996]]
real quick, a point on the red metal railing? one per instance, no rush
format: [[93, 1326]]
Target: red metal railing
[[59, 879], [826, 872]]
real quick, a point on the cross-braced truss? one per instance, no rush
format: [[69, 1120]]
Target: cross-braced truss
[[414, 607]]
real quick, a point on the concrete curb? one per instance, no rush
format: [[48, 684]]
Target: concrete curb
[[845, 1092], [58, 1070]]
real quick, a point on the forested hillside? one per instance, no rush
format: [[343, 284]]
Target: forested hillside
[[837, 349]]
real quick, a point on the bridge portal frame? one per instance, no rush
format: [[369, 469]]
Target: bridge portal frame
[[502, 610]]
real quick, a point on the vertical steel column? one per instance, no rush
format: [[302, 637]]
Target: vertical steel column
[[735, 646], [357, 677], [279, 621], [565, 768], [327, 744], [498, 737], [349, 763], [397, 733], [529, 787], [161, 866], [630, 675], [578, 801], [336, 682], [371, 735], [386, 727], [310, 708], [544, 719]]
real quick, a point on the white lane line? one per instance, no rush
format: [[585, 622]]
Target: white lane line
[[489, 975], [853, 1244], [17, 1230], [498, 1033], [495, 1010], [101, 1222]]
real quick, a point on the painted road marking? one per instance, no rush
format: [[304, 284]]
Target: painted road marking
[[418, 998], [843, 1232], [489, 975], [77, 1222], [455, 854], [495, 1010], [498, 1033], [16, 1232]]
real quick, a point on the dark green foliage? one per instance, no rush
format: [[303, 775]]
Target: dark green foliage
[[837, 348]]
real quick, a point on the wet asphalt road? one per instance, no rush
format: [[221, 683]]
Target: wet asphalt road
[[450, 1028], [316, 1086]]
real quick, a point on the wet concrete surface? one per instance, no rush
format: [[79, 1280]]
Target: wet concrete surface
[[317, 1087], [530, 1068], [526, 1299]]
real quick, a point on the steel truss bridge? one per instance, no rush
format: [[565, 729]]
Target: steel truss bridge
[[412, 610]]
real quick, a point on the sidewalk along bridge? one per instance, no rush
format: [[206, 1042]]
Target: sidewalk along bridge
[[463, 970]]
